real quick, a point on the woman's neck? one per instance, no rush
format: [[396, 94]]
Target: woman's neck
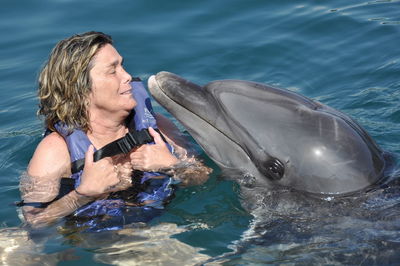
[[105, 129]]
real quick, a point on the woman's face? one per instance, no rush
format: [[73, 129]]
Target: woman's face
[[111, 89]]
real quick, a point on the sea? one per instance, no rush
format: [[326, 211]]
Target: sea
[[342, 53]]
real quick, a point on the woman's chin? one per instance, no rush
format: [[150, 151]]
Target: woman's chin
[[128, 102]]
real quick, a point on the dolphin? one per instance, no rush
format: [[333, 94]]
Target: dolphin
[[275, 137]]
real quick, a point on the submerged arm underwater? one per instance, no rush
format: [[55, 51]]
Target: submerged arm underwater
[[36, 191], [43, 204], [189, 170]]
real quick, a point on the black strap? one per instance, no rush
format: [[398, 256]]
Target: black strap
[[123, 145], [40, 205]]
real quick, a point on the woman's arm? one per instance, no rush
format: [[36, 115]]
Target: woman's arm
[[41, 183], [189, 169], [180, 165]]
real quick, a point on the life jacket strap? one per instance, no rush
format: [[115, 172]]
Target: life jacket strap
[[123, 145]]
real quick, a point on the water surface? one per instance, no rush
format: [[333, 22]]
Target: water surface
[[342, 53]]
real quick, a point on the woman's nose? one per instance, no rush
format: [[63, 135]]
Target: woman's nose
[[126, 76]]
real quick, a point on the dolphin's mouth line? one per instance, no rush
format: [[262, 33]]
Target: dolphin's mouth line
[[199, 117]]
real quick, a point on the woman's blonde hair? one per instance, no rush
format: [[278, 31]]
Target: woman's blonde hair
[[64, 82]]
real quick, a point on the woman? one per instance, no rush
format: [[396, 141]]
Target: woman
[[86, 97]]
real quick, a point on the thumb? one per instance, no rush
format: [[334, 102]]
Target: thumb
[[89, 155], [156, 136]]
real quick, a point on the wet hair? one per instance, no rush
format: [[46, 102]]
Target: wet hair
[[65, 83]]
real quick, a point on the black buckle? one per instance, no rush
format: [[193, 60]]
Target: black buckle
[[126, 143], [133, 139]]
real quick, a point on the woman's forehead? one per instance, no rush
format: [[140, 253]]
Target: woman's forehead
[[107, 57]]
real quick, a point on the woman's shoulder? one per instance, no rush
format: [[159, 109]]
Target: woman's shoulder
[[172, 133], [167, 127], [51, 157]]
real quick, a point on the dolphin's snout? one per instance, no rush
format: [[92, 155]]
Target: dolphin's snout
[[152, 81]]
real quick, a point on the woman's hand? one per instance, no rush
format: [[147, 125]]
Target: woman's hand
[[98, 177], [124, 170], [152, 157]]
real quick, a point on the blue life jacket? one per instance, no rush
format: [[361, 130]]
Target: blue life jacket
[[116, 210]]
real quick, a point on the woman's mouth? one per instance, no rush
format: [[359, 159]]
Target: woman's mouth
[[128, 91]]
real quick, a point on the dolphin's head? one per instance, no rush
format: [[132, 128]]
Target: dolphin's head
[[275, 135]]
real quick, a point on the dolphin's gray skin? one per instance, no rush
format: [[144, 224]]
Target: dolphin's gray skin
[[275, 136]]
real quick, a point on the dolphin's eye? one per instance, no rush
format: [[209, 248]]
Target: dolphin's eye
[[274, 168]]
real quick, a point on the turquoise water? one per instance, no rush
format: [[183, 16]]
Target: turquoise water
[[343, 53]]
